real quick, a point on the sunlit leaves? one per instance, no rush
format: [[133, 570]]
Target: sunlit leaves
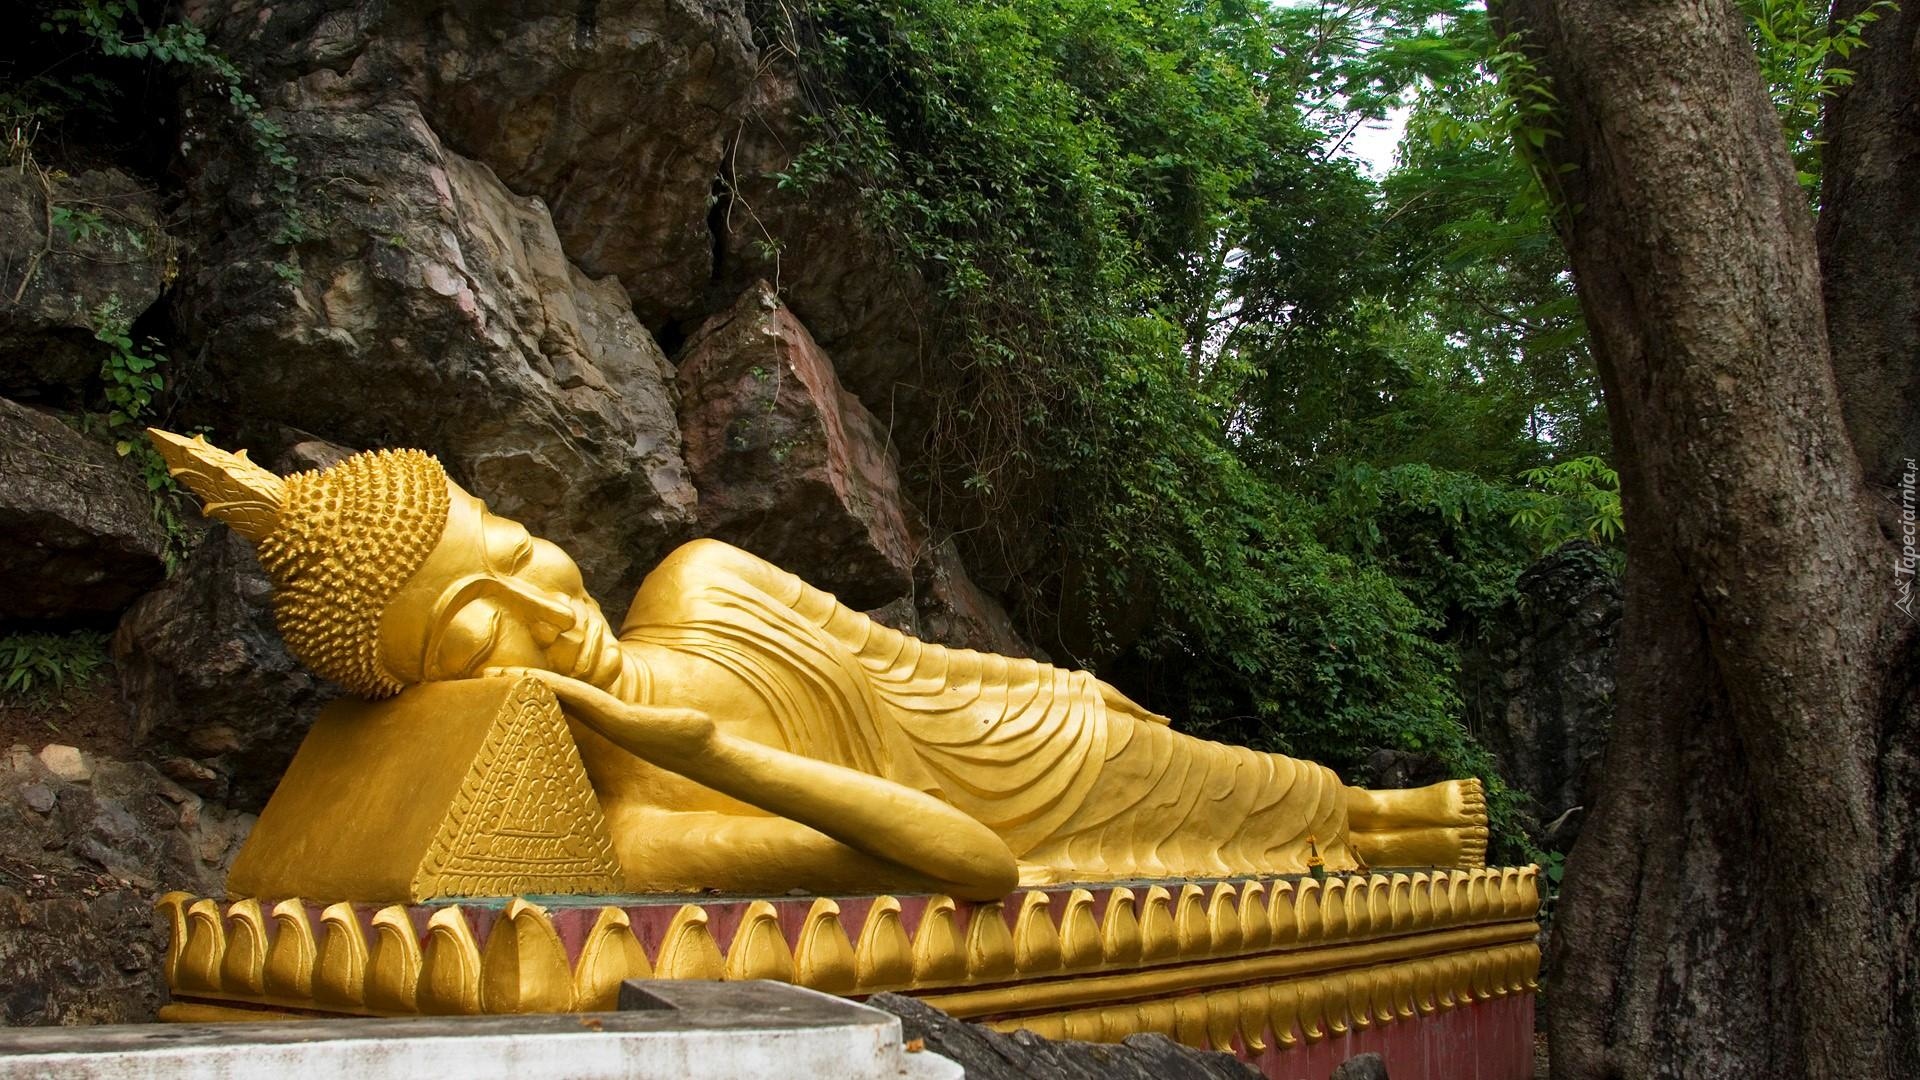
[[1802, 58], [1576, 499]]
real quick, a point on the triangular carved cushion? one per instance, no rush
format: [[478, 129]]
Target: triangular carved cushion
[[470, 788]]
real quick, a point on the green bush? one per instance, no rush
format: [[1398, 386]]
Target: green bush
[[37, 667], [1191, 332]]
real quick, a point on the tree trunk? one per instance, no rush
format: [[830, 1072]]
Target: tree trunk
[[1869, 237], [1733, 903]]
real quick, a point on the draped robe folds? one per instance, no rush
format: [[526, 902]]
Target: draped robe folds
[[1079, 784]]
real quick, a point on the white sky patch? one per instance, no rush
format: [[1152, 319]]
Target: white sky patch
[[1374, 143]]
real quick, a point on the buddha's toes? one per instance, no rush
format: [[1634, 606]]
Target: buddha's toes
[[1470, 843], [1467, 831], [1446, 804], [1466, 802]]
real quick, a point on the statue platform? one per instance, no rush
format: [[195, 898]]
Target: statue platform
[[866, 806], [1433, 969], [684, 1030]]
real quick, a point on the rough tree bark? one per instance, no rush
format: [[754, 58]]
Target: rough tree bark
[[1869, 236], [1740, 902]]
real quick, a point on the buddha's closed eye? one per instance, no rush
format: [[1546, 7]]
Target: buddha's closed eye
[[522, 555], [483, 615], [466, 642]]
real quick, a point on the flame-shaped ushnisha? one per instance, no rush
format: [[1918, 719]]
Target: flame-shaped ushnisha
[[338, 543]]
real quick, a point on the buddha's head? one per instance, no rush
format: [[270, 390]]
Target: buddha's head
[[387, 573]]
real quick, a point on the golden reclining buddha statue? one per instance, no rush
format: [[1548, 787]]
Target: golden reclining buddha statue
[[745, 732]]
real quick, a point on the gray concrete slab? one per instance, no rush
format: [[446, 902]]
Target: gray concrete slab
[[669, 1030]]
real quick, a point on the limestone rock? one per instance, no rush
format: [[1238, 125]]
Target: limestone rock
[[987, 1054], [616, 113], [794, 468], [682, 207], [80, 869], [955, 611], [1361, 1067], [868, 308], [77, 536], [211, 690], [304, 454], [789, 464], [1387, 768], [946, 607], [66, 762], [1539, 686], [74, 251], [651, 132], [38, 797], [435, 308]]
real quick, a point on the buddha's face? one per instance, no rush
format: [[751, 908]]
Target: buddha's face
[[492, 595]]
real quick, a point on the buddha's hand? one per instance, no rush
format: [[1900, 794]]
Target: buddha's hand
[[649, 731]]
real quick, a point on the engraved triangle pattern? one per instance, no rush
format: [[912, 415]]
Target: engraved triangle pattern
[[526, 819]]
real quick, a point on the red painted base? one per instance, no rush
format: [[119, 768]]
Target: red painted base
[[1487, 1040]]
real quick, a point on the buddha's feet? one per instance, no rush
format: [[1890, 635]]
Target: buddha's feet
[[1443, 824]]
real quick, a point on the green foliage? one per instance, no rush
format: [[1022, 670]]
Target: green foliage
[[1797, 46], [132, 34], [1440, 534], [129, 372], [1577, 499], [36, 667], [79, 224], [1275, 412], [131, 381], [1492, 307], [994, 145]]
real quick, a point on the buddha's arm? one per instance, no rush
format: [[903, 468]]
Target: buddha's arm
[[868, 814]]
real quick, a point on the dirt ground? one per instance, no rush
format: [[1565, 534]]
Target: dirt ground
[[90, 717]]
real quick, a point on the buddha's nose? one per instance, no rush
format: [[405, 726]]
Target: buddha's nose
[[558, 618], [547, 616]]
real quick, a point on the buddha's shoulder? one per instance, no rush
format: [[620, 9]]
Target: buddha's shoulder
[[706, 561], [701, 572], [708, 553]]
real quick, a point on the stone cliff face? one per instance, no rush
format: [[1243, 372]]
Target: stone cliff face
[[543, 241], [1539, 684]]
